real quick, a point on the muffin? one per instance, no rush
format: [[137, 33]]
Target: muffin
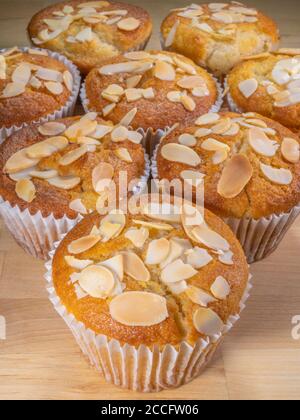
[[90, 32], [150, 303], [161, 89], [249, 167], [268, 84], [35, 85], [218, 35], [52, 174]]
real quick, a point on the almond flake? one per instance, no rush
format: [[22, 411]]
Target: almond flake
[[101, 131], [86, 35], [108, 109], [208, 119], [101, 176], [290, 150], [97, 281], [226, 258], [171, 35], [139, 309], [179, 153], [213, 145], [83, 127], [164, 71], [112, 225], [135, 137], [207, 322], [187, 140], [133, 94], [13, 89], [220, 288], [73, 156], [222, 126], [152, 225], [183, 65], [76, 263], [51, 173], [288, 51], [51, 128], [199, 296], [49, 75], [205, 27], [88, 141], [177, 248], [123, 154], [188, 102], [135, 267], [19, 161], [174, 96], [65, 183], [220, 156], [223, 17], [137, 55], [205, 235], [158, 251], [192, 178], [177, 271], [115, 265], [111, 98], [46, 148], [128, 118], [3, 67], [22, 74], [129, 24], [68, 80], [35, 83], [198, 257], [83, 244], [25, 190], [235, 176], [202, 132], [190, 82], [248, 87], [54, 87], [162, 211], [278, 176], [233, 130], [96, 4], [78, 206], [119, 134], [137, 236], [261, 143], [133, 81]]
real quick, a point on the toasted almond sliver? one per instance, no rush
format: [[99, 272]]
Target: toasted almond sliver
[[86, 35], [261, 143], [51, 173], [233, 130], [222, 126], [65, 183], [290, 150], [157, 251], [137, 236], [97, 281], [207, 322], [83, 127], [22, 74], [137, 55], [133, 94], [40, 150], [192, 177], [129, 24], [177, 271], [83, 244], [248, 87], [187, 140], [191, 215], [25, 190], [135, 267], [73, 156], [52, 128], [112, 225], [188, 102], [152, 225], [68, 80], [226, 258], [279, 176], [78, 206], [183, 65], [198, 257], [133, 81], [58, 142], [3, 67], [220, 156], [162, 211], [19, 162], [199, 296], [171, 35], [123, 154], [101, 176], [235, 176], [49, 75], [114, 89], [119, 134], [139, 309], [54, 87], [164, 71], [76, 263], [128, 118], [208, 237], [179, 153], [115, 265], [174, 96], [135, 137], [213, 145], [208, 119], [13, 89], [202, 132], [108, 109], [126, 67], [220, 288], [190, 82], [101, 131]]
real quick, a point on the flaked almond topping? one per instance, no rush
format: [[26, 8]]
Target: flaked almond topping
[[220, 288], [83, 127], [54, 87], [203, 26], [207, 322], [21, 175], [13, 89], [208, 237], [88, 141], [154, 225], [222, 126], [73, 156], [101, 131], [129, 24], [211, 144], [178, 288], [171, 35], [108, 109], [137, 236], [290, 150], [40, 150], [261, 143], [101, 176], [97, 281], [223, 17], [115, 265], [279, 176], [22, 74], [133, 81], [198, 257], [123, 154], [135, 267], [126, 67], [68, 80], [174, 96], [25, 190], [76, 263], [220, 156], [137, 55], [199, 296], [158, 251], [3, 67], [183, 65], [164, 71], [135, 137], [190, 82], [257, 122], [133, 94], [177, 271], [51, 173], [208, 119], [188, 102], [235, 176], [96, 4], [114, 89], [179, 153], [233, 130], [177, 248], [65, 183], [58, 142], [52, 128], [35, 83], [187, 140], [192, 177], [86, 35], [119, 134], [83, 244], [78, 206], [226, 258], [191, 215], [139, 309], [248, 87], [19, 162], [162, 211], [112, 225], [49, 75], [128, 118], [288, 51], [202, 132]]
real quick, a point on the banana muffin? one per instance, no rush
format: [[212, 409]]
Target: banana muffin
[[249, 166], [268, 84], [54, 172], [90, 32], [166, 283], [34, 86], [218, 35]]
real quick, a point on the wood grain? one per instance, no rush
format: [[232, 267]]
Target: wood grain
[[39, 359]]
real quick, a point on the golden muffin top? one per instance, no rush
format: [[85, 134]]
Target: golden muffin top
[[163, 274], [218, 35], [270, 85], [69, 166], [32, 85], [248, 163], [162, 87], [90, 32]]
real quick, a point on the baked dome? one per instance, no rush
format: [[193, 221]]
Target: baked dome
[[218, 35], [32, 85], [249, 163], [90, 32], [268, 84], [150, 283], [163, 88], [60, 167]]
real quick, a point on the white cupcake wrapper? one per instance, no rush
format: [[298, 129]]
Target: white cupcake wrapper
[[36, 234], [66, 111], [259, 238], [142, 369]]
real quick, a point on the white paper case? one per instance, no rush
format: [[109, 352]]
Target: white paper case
[[142, 369], [65, 111]]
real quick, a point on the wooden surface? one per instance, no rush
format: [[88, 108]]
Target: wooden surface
[[39, 359]]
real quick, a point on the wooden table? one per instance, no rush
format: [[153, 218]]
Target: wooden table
[[39, 359]]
